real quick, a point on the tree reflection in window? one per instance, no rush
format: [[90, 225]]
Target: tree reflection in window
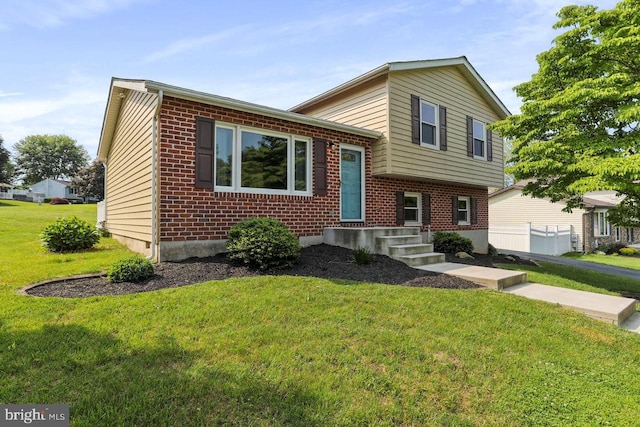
[[264, 161]]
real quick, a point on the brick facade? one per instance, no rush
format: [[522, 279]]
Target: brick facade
[[187, 213]]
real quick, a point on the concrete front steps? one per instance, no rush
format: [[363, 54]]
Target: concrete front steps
[[608, 308], [409, 249], [493, 278]]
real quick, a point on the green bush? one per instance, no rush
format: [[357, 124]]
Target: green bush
[[69, 234], [451, 243], [263, 243], [362, 256], [491, 250], [628, 251], [610, 248], [132, 269]]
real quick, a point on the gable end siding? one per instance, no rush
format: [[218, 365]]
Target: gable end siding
[[447, 87], [128, 182]]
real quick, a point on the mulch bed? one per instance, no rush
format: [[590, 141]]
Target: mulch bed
[[323, 261]]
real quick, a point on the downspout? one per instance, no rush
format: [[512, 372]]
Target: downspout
[[154, 169]]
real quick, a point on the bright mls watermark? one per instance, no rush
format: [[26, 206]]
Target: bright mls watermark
[[34, 415]]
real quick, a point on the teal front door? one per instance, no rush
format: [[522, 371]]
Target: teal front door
[[350, 185]]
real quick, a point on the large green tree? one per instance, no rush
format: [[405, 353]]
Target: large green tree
[[579, 129], [7, 170], [49, 156], [89, 181]]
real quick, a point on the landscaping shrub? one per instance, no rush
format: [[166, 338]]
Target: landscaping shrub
[[362, 256], [59, 201], [491, 250], [628, 251], [263, 243], [69, 234], [611, 248], [132, 269], [451, 243]]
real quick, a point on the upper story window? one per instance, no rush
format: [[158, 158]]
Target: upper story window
[[428, 124], [479, 140], [601, 226], [258, 161]]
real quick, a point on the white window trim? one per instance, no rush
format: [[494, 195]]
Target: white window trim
[[484, 139], [596, 219], [436, 146], [363, 207], [468, 210], [236, 181], [418, 196]]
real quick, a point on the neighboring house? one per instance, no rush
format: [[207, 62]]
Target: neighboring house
[[589, 225], [406, 144], [55, 188]]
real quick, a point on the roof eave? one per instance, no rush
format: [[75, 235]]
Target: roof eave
[[248, 107], [460, 62]]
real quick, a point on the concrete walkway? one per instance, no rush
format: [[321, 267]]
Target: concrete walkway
[[618, 310], [608, 269]]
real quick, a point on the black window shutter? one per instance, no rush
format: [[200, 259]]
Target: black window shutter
[[399, 207], [489, 146], [320, 167], [443, 128], [469, 136], [454, 209], [474, 210], [426, 208], [415, 119], [205, 146]]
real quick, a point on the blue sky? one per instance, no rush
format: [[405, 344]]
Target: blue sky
[[58, 56]]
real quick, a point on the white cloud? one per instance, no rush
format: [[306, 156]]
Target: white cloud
[[53, 13], [193, 43], [6, 94], [73, 107], [247, 42]]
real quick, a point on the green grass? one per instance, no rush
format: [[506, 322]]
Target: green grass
[[632, 262], [274, 351]]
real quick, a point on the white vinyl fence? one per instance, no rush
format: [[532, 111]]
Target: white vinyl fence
[[547, 240]]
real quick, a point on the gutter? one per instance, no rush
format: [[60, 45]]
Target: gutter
[[155, 137]]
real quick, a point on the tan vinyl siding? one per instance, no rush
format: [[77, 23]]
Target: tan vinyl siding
[[364, 106], [129, 169], [512, 208], [448, 87]]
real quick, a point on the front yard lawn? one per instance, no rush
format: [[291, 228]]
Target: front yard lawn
[[282, 350], [632, 262]]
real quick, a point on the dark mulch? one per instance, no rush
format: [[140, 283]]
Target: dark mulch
[[323, 261]]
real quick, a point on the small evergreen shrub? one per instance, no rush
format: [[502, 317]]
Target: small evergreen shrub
[[69, 234], [611, 248], [132, 269], [263, 243], [451, 243], [628, 251], [362, 256], [492, 250], [58, 201]]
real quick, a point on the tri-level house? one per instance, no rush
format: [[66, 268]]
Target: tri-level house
[[404, 146]]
